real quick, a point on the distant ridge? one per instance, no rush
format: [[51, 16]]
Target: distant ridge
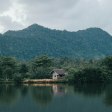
[[37, 40]]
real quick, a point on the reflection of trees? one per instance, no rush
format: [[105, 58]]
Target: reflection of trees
[[89, 89], [8, 94], [42, 94], [23, 89], [95, 90], [108, 96]]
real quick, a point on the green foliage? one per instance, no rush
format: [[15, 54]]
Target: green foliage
[[8, 67], [42, 61], [18, 78], [37, 40], [78, 71], [23, 71], [89, 75], [40, 67], [107, 62], [23, 68]]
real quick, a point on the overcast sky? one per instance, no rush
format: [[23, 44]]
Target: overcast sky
[[71, 15]]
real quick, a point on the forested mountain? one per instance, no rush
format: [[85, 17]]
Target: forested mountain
[[37, 40]]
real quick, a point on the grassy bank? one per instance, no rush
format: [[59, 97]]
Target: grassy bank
[[40, 81], [34, 81]]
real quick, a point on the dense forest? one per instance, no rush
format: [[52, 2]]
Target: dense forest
[[36, 40], [79, 71], [85, 54]]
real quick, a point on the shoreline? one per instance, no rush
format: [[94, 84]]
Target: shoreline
[[41, 81], [35, 81]]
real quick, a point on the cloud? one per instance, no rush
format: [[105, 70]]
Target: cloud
[[60, 14], [4, 5], [13, 18], [7, 24]]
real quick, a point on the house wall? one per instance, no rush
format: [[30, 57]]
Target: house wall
[[54, 75]]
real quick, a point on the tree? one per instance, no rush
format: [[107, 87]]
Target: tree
[[43, 61], [8, 67], [40, 66], [23, 68], [108, 62], [89, 75]]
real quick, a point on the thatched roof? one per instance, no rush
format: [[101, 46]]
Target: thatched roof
[[59, 71]]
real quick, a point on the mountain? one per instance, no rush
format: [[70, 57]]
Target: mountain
[[37, 40]]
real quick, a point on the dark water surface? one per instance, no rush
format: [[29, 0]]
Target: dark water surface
[[56, 98]]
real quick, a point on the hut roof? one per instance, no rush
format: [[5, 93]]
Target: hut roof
[[59, 71]]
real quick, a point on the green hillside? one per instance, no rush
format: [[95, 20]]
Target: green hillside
[[37, 40]]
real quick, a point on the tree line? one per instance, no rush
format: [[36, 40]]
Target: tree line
[[79, 70]]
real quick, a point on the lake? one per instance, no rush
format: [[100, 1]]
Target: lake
[[56, 98]]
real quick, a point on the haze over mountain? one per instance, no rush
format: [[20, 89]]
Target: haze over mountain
[[37, 40]]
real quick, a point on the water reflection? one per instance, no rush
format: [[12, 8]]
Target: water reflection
[[23, 90], [90, 89], [58, 90], [108, 95], [8, 94], [45, 95], [42, 94]]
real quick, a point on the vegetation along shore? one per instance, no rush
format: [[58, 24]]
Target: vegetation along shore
[[38, 70]]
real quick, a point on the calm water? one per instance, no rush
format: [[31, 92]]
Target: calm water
[[56, 98]]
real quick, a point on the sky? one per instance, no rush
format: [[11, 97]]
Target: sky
[[71, 15]]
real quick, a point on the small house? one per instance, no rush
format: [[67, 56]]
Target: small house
[[58, 74]]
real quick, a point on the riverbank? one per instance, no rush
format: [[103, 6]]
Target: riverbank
[[40, 81], [35, 81]]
